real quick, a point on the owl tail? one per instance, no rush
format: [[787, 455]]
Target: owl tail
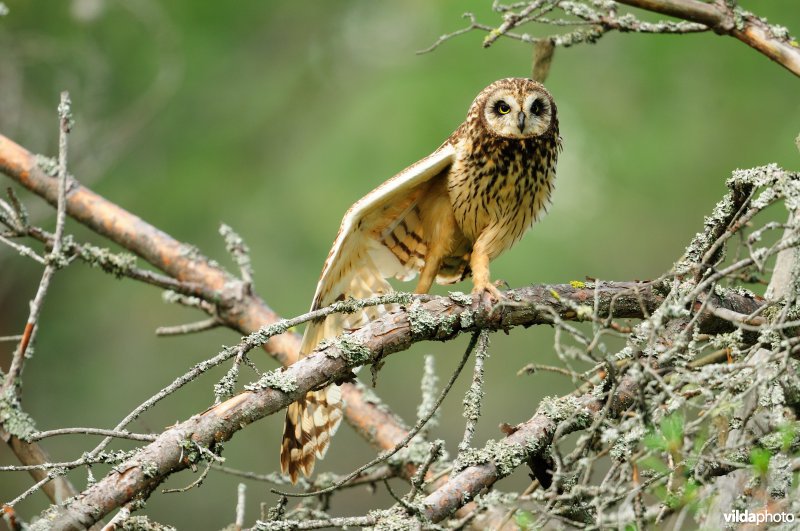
[[312, 420], [310, 424]]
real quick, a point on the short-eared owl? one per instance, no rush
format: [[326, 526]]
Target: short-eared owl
[[444, 217]]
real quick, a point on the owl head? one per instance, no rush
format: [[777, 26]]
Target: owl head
[[515, 108]]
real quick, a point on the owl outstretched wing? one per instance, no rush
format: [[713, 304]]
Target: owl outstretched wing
[[381, 236]]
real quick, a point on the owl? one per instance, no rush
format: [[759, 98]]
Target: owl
[[443, 218]]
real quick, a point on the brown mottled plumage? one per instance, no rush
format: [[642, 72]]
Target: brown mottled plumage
[[445, 217]]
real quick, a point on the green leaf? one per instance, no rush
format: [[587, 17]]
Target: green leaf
[[672, 429], [524, 520], [788, 433], [759, 458], [655, 441], [655, 464]]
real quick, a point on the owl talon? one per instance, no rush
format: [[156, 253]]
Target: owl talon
[[489, 297]]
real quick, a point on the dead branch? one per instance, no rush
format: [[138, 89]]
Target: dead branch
[[439, 319], [238, 308], [772, 41], [595, 19]]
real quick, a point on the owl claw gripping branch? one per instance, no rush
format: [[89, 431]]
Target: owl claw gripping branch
[[445, 218]]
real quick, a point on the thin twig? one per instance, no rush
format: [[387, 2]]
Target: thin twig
[[240, 504], [17, 362], [193, 484], [474, 395], [190, 328], [122, 434]]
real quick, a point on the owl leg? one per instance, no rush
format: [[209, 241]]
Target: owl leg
[[479, 263], [438, 249], [428, 274], [440, 231]]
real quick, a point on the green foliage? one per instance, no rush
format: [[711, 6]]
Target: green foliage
[[525, 520], [759, 459], [669, 435]]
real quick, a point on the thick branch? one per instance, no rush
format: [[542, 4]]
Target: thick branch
[[239, 309], [719, 17], [530, 439], [440, 318]]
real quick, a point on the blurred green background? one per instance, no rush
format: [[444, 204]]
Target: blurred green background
[[274, 117]]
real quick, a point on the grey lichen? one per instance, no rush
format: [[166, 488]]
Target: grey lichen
[[429, 392], [494, 498], [786, 438], [118, 264], [238, 249], [472, 403], [625, 354], [395, 519], [422, 322], [712, 224], [351, 348], [565, 408], [504, 455], [13, 419], [780, 476], [112, 458], [150, 469], [464, 299], [279, 379], [190, 451], [172, 297], [226, 385], [142, 523], [625, 445], [780, 32], [466, 319], [275, 525], [48, 165], [723, 292]]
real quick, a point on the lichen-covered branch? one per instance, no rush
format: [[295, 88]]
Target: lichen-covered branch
[[437, 318], [187, 272], [772, 40], [588, 21]]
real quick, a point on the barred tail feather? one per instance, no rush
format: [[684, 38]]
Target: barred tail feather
[[310, 424]]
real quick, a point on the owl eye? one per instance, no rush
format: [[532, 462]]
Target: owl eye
[[502, 107], [536, 107]]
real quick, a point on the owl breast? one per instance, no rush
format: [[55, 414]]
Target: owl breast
[[501, 186]]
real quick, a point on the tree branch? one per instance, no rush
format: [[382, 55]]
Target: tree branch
[[440, 318], [237, 307], [726, 21]]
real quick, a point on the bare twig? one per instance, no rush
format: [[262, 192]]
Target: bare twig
[[474, 396], [54, 260], [190, 328], [29, 453], [240, 504], [39, 435]]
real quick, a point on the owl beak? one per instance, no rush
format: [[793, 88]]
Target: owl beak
[[521, 121]]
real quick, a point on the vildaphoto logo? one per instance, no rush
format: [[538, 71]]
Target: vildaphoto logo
[[761, 517]]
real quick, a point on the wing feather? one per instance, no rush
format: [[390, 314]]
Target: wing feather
[[380, 237], [375, 212]]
